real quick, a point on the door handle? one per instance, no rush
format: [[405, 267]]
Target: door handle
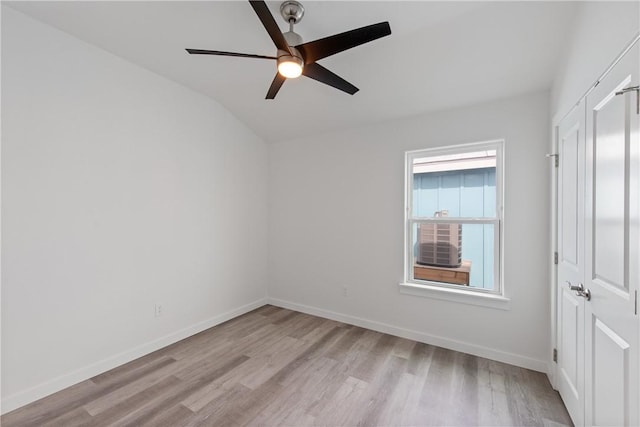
[[579, 287], [631, 89], [580, 290]]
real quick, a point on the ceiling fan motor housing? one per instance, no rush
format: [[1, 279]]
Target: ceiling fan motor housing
[[292, 38]]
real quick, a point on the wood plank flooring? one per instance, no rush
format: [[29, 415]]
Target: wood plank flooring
[[277, 367]]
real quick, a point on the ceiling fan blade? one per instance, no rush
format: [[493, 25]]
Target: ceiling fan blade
[[261, 9], [321, 74], [221, 53], [276, 84], [321, 48]]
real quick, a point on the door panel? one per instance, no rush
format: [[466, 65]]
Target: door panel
[[612, 249], [611, 360], [609, 207], [570, 134], [569, 154], [569, 347]]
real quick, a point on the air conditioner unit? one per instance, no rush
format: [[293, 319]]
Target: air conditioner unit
[[440, 245]]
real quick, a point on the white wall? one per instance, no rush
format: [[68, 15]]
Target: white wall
[[120, 189], [601, 31], [336, 220]]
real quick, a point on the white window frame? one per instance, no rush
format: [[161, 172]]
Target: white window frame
[[495, 297]]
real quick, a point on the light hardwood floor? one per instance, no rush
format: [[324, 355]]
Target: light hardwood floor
[[277, 367]]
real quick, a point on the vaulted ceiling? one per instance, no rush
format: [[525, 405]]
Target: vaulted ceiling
[[440, 55]]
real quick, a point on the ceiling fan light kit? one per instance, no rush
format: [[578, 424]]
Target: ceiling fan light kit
[[295, 58], [290, 66]]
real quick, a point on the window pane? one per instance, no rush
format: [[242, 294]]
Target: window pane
[[478, 248], [462, 185], [459, 254]]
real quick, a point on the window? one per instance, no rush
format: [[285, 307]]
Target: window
[[454, 218]]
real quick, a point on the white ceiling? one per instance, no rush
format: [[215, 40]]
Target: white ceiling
[[440, 55]]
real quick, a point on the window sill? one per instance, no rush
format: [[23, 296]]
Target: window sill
[[461, 296]]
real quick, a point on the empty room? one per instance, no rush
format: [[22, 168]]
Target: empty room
[[320, 213]]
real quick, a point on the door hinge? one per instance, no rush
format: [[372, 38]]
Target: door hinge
[[555, 355], [556, 158], [555, 258]]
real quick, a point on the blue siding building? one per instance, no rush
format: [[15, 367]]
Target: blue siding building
[[469, 193]]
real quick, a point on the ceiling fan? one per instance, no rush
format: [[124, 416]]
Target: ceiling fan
[[295, 58]]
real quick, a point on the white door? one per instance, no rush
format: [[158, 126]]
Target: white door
[[612, 255], [571, 149]]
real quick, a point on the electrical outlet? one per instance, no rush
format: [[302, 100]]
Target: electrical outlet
[[345, 291], [159, 309]]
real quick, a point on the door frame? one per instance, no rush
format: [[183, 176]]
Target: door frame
[[552, 371]]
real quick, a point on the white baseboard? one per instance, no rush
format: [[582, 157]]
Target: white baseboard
[[24, 397], [474, 349]]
